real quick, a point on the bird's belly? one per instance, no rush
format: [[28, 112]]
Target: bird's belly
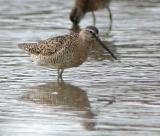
[[44, 61], [51, 62]]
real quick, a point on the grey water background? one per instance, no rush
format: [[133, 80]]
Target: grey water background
[[101, 97]]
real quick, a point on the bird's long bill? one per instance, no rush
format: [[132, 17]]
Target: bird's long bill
[[102, 44]]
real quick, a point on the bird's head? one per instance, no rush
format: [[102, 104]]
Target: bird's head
[[90, 34], [76, 15]]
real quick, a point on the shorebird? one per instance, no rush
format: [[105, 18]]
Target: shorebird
[[64, 51], [83, 6]]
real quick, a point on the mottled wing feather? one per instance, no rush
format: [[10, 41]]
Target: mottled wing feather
[[47, 47], [29, 47], [66, 53]]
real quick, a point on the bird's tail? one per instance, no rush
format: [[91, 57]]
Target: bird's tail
[[26, 46]]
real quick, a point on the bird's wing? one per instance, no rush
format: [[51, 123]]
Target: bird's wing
[[47, 47]]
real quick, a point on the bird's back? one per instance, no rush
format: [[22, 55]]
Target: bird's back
[[46, 47], [92, 5]]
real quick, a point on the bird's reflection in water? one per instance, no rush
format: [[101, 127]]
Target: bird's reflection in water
[[66, 96], [97, 53]]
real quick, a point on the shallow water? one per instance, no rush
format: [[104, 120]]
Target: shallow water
[[101, 97]]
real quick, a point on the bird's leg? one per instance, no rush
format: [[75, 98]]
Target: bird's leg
[[60, 72], [110, 17], [94, 18]]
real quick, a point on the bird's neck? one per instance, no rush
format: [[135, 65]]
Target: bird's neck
[[85, 44], [84, 40]]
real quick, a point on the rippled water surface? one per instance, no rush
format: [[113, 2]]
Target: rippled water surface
[[99, 98]]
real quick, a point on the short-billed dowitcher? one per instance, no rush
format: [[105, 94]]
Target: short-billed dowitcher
[[83, 6], [65, 51]]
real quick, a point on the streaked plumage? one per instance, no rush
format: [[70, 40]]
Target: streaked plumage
[[57, 52], [62, 52]]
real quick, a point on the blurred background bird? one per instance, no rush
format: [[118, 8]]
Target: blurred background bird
[[84, 6]]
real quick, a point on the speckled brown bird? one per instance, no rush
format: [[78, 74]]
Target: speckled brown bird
[[84, 6], [65, 51]]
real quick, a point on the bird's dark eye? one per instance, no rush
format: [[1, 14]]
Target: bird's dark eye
[[93, 29], [91, 32]]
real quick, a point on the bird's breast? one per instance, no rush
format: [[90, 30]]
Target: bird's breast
[[81, 55]]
